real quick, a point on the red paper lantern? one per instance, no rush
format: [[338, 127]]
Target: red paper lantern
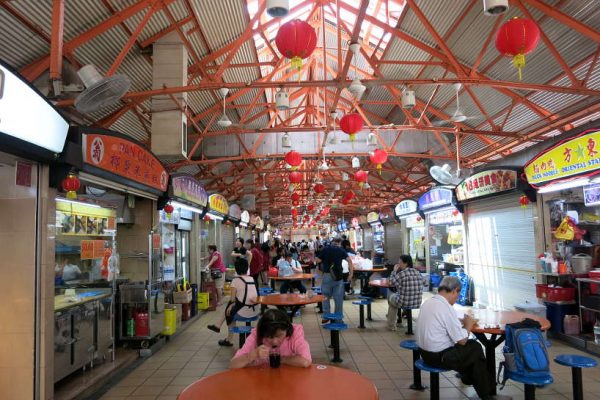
[[524, 201], [319, 188], [455, 213], [295, 177], [207, 218], [361, 177], [70, 185], [345, 201], [378, 157], [295, 196], [295, 203], [517, 37], [294, 212], [306, 217], [419, 219], [311, 207], [168, 209], [293, 158], [351, 124], [296, 40]]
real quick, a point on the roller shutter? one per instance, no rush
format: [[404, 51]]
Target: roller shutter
[[227, 242], [368, 238], [393, 241], [501, 251]]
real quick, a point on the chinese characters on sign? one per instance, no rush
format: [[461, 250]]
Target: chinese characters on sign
[[188, 188], [124, 158], [372, 217], [485, 183], [572, 157], [218, 203], [436, 197], [406, 207]]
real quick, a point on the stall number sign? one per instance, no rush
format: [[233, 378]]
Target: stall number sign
[[486, 183], [436, 197], [218, 203], [573, 157], [405, 207], [124, 158], [188, 188]]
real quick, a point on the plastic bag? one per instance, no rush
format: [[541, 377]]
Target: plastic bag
[[565, 230]]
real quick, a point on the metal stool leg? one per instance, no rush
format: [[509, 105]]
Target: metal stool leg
[[577, 384], [242, 339], [399, 316], [320, 307], [369, 312], [417, 385], [409, 318], [529, 392], [362, 316], [335, 341], [434, 381]]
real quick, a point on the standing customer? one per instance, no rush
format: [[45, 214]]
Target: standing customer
[[408, 283], [266, 263], [242, 302], [274, 331], [239, 250], [445, 343], [254, 260], [216, 266], [333, 283]]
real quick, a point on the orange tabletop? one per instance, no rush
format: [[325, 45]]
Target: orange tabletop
[[295, 277], [384, 283], [289, 383], [493, 322], [289, 299], [358, 269]]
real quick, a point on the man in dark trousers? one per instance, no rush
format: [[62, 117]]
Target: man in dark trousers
[[331, 258], [445, 342]]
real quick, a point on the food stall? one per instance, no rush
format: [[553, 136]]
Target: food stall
[[244, 231], [444, 226], [355, 235], [113, 183], [500, 217], [566, 177], [218, 208], [230, 231], [367, 250], [378, 233], [392, 234], [32, 134], [413, 231]]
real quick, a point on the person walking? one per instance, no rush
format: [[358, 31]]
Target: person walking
[[332, 285]]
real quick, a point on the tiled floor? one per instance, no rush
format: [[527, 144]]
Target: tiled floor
[[374, 352]]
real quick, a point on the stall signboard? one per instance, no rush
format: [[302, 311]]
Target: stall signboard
[[373, 217], [579, 156], [591, 195], [76, 218], [414, 221], [26, 115], [245, 218], [406, 207], [125, 158], [258, 222], [448, 216], [435, 198], [386, 214], [187, 188], [486, 183], [91, 249], [218, 204], [235, 213]]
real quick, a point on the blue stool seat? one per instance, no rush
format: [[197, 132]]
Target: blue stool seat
[[333, 316], [370, 299], [530, 380], [316, 289], [247, 320], [409, 344], [240, 329], [335, 326], [361, 302], [574, 360], [265, 291], [425, 367]]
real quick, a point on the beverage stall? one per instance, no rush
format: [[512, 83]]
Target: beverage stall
[[413, 231]]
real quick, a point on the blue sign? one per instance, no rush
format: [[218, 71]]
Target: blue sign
[[435, 198]]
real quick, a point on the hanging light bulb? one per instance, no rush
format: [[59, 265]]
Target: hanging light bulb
[[286, 141], [357, 88], [336, 187], [345, 176], [355, 162], [282, 100]]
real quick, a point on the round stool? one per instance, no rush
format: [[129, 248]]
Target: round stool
[[576, 362]]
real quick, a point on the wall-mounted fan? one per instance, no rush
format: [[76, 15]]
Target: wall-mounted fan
[[443, 174], [458, 116], [100, 91]]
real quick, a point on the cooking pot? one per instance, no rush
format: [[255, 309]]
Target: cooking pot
[[581, 263]]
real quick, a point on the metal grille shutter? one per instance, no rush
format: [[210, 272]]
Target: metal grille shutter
[[501, 251], [393, 241], [227, 241], [368, 239]]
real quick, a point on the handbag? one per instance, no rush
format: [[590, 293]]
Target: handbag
[[273, 272], [216, 274]]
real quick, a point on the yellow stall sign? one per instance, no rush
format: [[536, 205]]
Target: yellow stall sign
[[573, 157]]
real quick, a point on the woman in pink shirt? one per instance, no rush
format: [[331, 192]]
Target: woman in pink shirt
[[274, 330], [217, 269]]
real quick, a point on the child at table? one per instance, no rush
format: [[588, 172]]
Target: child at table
[[288, 266], [274, 330]]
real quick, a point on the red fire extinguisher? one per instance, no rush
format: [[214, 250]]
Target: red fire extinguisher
[[142, 327]]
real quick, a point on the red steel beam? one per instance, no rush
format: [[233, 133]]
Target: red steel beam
[[56, 44]]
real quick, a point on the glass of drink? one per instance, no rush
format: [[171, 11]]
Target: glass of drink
[[274, 357]]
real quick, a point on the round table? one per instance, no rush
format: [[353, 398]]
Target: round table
[[365, 274], [295, 277], [285, 382], [492, 323], [292, 300]]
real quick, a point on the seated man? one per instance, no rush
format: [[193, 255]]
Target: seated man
[[445, 343], [288, 266]]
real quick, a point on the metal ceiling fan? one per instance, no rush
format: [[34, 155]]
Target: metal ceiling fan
[[458, 116], [224, 121]]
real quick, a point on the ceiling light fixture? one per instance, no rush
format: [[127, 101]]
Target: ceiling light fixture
[[286, 141], [372, 139], [495, 7]]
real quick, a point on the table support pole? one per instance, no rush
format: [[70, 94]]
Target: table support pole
[[577, 384], [490, 355]]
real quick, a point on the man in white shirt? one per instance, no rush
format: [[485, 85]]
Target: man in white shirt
[[445, 342]]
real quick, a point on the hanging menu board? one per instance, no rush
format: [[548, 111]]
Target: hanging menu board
[[437, 197], [579, 156], [187, 188], [218, 204], [486, 183], [75, 218]]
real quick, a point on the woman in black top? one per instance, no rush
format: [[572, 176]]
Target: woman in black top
[[239, 250]]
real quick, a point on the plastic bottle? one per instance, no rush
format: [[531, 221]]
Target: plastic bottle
[[597, 331]]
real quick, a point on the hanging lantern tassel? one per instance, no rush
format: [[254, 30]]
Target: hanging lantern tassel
[[297, 63], [523, 201], [379, 168], [519, 63]]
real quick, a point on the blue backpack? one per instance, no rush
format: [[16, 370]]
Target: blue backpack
[[525, 351]]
